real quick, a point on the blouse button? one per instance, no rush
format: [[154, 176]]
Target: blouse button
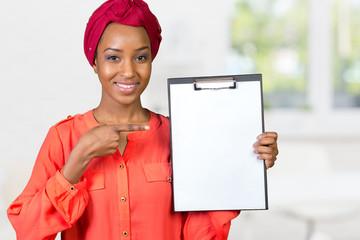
[[169, 179], [121, 166], [125, 233], [72, 188], [123, 199]]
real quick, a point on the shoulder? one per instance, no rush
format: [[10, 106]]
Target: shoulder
[[65, 121], [159, 124], [163, 120], [78, 121]]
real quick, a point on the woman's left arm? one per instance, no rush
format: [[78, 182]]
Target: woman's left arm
[[266, 147]]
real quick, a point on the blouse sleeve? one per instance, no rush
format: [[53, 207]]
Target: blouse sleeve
[[207, 225], [49, 203]]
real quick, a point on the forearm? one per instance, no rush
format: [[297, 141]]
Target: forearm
[[208, 225], [49, 203], [76, 164], [44, 213]]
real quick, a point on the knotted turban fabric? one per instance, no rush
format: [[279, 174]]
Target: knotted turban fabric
[[126, 12]]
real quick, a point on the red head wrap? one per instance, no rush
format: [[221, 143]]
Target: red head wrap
[[127, 12]]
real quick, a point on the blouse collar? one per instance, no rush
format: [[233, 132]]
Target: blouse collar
[[153, 123]]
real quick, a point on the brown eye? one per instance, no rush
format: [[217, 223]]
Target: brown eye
[[142, 58], [113, 58]]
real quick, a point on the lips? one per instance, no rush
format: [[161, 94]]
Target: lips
[[126, 88]]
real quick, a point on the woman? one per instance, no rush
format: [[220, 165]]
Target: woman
[[106, 174]]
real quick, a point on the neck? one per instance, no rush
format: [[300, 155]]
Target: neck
[[121, 114]]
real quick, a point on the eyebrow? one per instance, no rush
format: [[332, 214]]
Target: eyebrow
[[119, 50]]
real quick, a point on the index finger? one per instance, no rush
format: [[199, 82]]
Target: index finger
[[131, 127]]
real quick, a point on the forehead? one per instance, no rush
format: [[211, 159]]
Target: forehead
[[116, 32]]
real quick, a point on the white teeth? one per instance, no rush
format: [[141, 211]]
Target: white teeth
[[126, 86]]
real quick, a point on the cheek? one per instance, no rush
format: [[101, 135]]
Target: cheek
[[106, 72], [145, 72]]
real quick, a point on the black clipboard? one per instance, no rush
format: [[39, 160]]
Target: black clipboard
[[214, 122]]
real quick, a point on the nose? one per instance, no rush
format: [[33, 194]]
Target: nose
[[127, 69]]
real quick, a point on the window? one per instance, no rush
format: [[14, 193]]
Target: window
[[346, 24], [269, 37]]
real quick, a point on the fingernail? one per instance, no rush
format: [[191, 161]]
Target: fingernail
[[146, 127]]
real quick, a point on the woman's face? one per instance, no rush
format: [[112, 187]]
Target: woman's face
[[123, 63]]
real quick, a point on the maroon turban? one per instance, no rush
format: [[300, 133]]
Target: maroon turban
[[127, 12]]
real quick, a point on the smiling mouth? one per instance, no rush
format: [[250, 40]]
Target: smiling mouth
[[126, 86]]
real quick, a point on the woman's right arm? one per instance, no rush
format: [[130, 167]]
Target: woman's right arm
[[49, 203], [56, 195]]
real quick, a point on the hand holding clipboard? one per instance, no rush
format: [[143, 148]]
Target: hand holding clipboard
[[214, 166]]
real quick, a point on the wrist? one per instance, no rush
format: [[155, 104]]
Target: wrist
[[76, 164], [83, 153]]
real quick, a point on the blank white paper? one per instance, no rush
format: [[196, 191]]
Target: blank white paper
[[212, 133]]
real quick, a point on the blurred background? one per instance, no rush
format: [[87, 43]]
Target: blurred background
[[307, 50]]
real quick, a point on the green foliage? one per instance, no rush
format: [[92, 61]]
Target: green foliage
[[347, 65], [264, 35]]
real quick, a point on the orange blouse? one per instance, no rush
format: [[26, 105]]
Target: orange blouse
[[119, 197]]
